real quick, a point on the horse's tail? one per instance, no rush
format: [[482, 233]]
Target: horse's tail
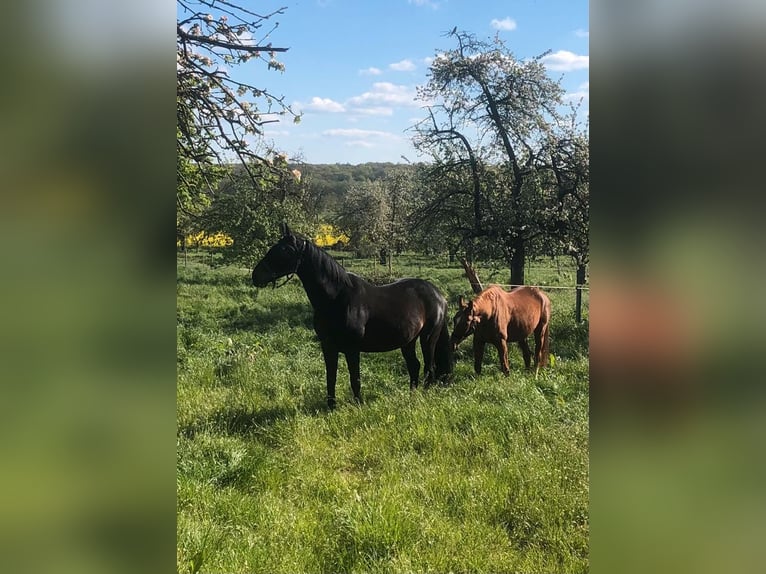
[[443, 353], [545, 334]]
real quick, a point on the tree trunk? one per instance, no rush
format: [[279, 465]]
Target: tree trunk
[[182, 239], [469, 249], [518, 260], [578, 292], [473, 277]]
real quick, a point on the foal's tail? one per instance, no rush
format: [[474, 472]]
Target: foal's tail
[[545, 351], [443, 360], [545, 333]]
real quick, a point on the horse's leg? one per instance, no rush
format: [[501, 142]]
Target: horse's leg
[[352, 360], [527, 352], [502, 350], [331, 368], [428, 347], [413, 365], [478, 354]]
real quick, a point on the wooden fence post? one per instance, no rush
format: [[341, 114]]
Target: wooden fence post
[[578, 292]]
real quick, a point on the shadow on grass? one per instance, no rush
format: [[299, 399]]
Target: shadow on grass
[[245, 421], [569, 340], [221, 278], [237, 420], [247, 317]]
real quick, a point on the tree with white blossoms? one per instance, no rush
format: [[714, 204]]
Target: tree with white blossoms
[[216, 112], [490, 116], [566, 159]]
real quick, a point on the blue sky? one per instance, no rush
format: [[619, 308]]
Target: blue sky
[[353, 65]]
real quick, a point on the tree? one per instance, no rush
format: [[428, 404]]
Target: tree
[[249, 206], [442, 215], [568, 160], [376, 214], [364, 216], [399, 187], [213, 113], [190, 203], [489, 109]]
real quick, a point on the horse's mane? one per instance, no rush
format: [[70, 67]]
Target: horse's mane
[[489, 296], [326, 266]]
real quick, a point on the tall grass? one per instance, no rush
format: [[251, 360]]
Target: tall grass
[[487, 474]]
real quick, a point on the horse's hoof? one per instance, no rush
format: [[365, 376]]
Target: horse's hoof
[[331, 404]]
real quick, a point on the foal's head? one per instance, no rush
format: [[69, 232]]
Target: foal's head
[[282, 259], [463, 323]]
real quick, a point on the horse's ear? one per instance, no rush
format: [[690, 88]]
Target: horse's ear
[[284, 229]]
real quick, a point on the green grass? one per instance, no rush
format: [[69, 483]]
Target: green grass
[[488, 474]]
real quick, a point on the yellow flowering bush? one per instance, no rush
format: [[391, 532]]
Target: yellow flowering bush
[[204, 239], [328, 236]]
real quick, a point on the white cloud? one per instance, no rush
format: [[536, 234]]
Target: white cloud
[[403, 66], [359, 143], [359, 134], [324, 105], [385, 94], [565, 61], [506, 24], [374, 111], [580, 33], [582, 93], [371, 71], [273, 133], [429, 3]]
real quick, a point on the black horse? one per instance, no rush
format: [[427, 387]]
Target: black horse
[[353, 316]]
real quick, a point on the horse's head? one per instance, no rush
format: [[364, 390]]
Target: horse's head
[[282, 259], [463, 323]]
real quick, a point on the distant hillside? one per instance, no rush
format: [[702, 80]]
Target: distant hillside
[[329, 182]]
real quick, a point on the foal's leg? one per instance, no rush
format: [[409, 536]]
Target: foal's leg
[[502, 350], [478, 354], [538, 349], [331, 369], [413, 365], [352, 360], [527, 352]]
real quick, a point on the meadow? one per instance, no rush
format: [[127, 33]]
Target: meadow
[[485, 474]]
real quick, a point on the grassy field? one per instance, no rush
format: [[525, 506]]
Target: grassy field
[[488, 474]]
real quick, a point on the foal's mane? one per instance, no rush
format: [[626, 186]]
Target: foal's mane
[[489, 297]]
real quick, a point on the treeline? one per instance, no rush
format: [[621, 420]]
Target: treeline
[[330, 182], [382, 209]]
